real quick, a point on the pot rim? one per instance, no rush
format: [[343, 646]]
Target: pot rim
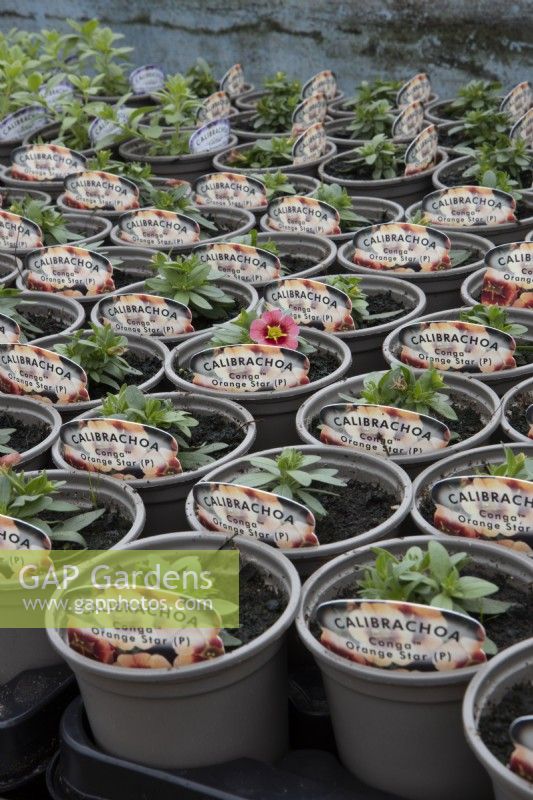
[[506, 400], [68, 303], [12, 404], [382, 183], [186, 158], [221, 166]]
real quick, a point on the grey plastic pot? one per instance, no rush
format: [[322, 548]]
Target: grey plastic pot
[[9, 196], [403, 190], [10, 267], [90, 229], [30, 412], [411, 741], [499, 381], [442, 289], [189, 166], [164, 498], [460, 385], [220, 162], [240, 220], [196, 701], [366, 468], [71, 313], [526, 388], [29, 648], [440, 176], [343, 107], [50, 133], [436, 111], [513, 666], [52, 188], [273, 411]]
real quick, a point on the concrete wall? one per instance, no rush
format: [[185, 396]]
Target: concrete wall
[[452, 39]]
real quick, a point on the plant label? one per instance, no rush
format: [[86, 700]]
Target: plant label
[[55, 95], [521, 761], [45, 162], [145, 315], [18, 233], [457, 346], [15, 534], [249, 368], [469, 206], [523, 128], [216, 106], [22, 123], [103, 130], [382, 430], [240, 261], [163, 230], [518, 101], [68, 270], [310, 111], [409, 121], [213, 135], [9, 331], [402, 247], [422, 152], [311, 303], [297, 214], [390, 634], [41, 374], [147, 79], [119, 448], [508, 280], [100, 191], [310, 145], [324, 82], [241, 510], [230, 189], [485, 507], [417, 88], [233, 81]]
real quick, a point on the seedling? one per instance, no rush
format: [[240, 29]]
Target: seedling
[[52, 223], [338, 197], [274, 109], [494, 317], [177, 198], [179, 104], [276, 184], [371, 119], [265, 153], [5, 436], [475, 96], [10, 299], [514, 466], [201, 79], [379, 158]]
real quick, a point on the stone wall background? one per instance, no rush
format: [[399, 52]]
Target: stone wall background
[[453, 40]]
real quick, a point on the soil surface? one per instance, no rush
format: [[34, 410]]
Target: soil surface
[[261, 602], [25, 436], [353, 510], [49, 322], [215, 428], [147, 364], [343, 168], [516, 413], [496, 718], [380, 303], [101, 534], [202, 323], [293, 263]]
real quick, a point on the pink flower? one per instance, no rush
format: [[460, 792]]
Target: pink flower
[[274, 327]]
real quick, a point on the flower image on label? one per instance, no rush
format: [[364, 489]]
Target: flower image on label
[[15, 534], [230, 189], [454, 345], [45, 162], [145, 315], [417, 88], [68, 270], [486, 507], [311, 110], [41, 374], [324, 81], [147, 79], [402, 247], [119, 448], [529, 419], [391, 634], [18, 233], [469, 206], [211, 136], [234, 509], [216, 106], [310, 145], [101, 191], [22, 123], [382, 430], [152, 227], [409, 121], [233, 81], [311, 303], [297, 214], [508, 280], [521, 761], [102, 129], [241, 261], [422, 152], [249, 368], [9, 332], [523, 128], [518, 101]]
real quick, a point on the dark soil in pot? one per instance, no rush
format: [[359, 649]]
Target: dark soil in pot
[[214, 428], [452, 174], [146, 364], [380, 303], [260, 601], [497, 717], [516, 412], [49, 322], [102, 534], [354, 510], [25, 435]]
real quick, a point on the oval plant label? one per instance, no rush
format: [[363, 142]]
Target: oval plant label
[[324, 82], [518, 101], [249, 368], [311, 303], [422, 152], [485, 507], [240, 261], [240, 510], [15, 534], [216, 106], [523, 129], [100, 190], [402, 247], [521, 761], [211, 136], [233, 81], [469, 206], [297, 214], [9, 331], [310, 145], [101, 130], [152, 227], [409, 121], [119, 448], [455, 345], [147, 79], [417, 88], [383, 430], [72, 271], [18, 233], [145, 315], [41, 374], [391, 634], [45, 162], [22, 123], [230, 189], [508, 280], [310, 111], [55, 95]]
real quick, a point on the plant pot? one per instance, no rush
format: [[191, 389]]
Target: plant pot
[[337, 132], [433, 760], [64, 311], [239, 220], [442, 176], [91, 229], [512, 667], [343, 107], [189, 166], [248, 101], [436, 112], [31, 413], [499, 381], [164, 498], [403, 190], [443, 288], [10, 268], [221, 163], [50, 133], [366, 469], [244, 133], [413, 464], [509, 420], [196, 701], [273, 411], [8, 196], [51, 188]]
